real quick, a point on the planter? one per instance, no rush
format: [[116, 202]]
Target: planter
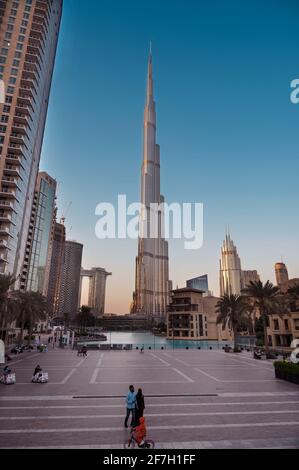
[[285, 375]]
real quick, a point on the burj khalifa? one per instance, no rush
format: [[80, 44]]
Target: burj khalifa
[[152, 285]]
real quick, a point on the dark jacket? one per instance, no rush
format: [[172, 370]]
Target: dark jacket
[[140, 404]]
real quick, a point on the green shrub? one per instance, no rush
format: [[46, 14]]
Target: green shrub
[[287, 367]]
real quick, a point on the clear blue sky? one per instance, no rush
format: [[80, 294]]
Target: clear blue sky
[[227, 129]]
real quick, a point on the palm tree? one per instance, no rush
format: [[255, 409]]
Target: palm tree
[[32, 308], [266, 299], [8, 307], [232, 313]]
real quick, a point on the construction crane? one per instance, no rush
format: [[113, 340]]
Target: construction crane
[[63, 217]]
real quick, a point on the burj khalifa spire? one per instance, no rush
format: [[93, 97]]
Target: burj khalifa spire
[[152, 285]]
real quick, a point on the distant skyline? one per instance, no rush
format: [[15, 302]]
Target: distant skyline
[[227, 128]]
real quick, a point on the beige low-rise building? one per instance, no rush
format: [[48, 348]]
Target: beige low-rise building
[[191, 316], [283, 329]]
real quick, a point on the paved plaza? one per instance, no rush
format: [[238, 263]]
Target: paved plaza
[[194, 399]]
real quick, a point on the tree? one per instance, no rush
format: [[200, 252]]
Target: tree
[[32, 309], [293, 295], [266, 299], [8, 305], [233, 313], [85, 318]]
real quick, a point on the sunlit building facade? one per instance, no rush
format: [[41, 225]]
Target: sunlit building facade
[[28, 39]]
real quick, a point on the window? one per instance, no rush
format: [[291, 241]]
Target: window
[[19, 46], [2, 60], [1, 68], [26, 16], [16, 63], [18, 55], [11, 89], [8, 35], [9, 27], [4, 118], [8, 99], [276, 324], [3, 129], [24, 23], [6, 109], [1, 139], [14, 71], [21, 38], [23, 30], [286, 324]]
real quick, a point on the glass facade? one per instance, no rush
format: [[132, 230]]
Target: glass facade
[[200, 283], [39, 244]]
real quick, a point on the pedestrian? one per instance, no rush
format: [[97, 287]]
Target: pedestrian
[[131, 406], [139, 406]]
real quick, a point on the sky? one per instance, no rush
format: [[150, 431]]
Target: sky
[[225, 123]]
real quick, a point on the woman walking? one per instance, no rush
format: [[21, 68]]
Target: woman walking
[[139, 406]]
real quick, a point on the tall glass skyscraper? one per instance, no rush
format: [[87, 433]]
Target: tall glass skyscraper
[[200, 283], [28, 40], [152, 285], [230, 269], [36, 269]]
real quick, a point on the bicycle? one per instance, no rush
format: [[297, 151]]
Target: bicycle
[[131, 443]]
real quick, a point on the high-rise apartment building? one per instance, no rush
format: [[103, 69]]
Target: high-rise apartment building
[[281, 274], [28, 40], [230, 269], [249, 276], [70, 279], [56, 265], [151, 295], [36, 268]]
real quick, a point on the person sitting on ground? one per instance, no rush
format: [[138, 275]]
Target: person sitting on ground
[[6, 372], [37, 372], [139, 432]]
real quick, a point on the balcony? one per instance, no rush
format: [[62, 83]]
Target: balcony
[[10, 182], [4, 245], [17, 138], [23, 109], [5, 231], [3, 257], [27, 82], [20, 128], [12, 171], [5, 205], [13, 160], [30, 78], [16, 149], [5, 218], [25, 100], [8, 193]]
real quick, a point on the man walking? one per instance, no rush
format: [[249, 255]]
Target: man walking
[[131, 404]]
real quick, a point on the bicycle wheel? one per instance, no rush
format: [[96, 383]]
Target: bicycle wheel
[[129, 444], [149, 444]]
